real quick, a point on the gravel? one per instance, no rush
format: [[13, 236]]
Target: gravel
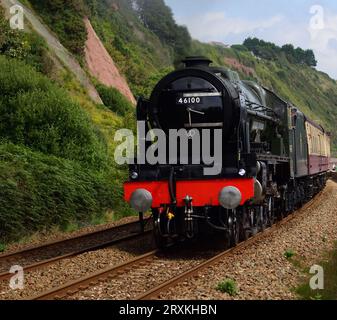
[[142, 278], [74, 268]]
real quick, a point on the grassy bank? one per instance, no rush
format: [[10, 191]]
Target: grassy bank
[[56, 167]]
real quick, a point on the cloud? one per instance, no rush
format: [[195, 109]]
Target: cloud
[[217, 25], [324, 42]]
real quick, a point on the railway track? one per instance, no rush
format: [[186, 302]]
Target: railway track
[[36, 257], [110, 273], [155, 292]]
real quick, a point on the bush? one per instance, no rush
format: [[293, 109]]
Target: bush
[[17, 77], [114, 100], [39, 191], [37, 114], [228, 286], [65, 17], [239, 47], [28, 47], [289, 254]]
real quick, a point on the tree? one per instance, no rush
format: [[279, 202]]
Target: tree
[[158, 17], [66, 19], [270, 51]]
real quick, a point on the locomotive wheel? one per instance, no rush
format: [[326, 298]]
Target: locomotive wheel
[[160, 239], [261, 218], [234, 229], [244, 225], [270, 212]]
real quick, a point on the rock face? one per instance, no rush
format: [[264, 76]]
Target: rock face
[[101, 65], [234, 63]]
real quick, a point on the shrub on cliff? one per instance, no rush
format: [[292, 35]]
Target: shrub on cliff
[[37, 114]]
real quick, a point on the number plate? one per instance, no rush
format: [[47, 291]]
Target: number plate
[[189, 100]]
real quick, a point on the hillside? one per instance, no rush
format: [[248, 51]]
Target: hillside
[[56, 144], [122, 47], [312, 91], [138, 36]]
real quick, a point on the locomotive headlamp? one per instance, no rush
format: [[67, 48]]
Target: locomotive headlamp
[[141, 200], [230, 197], [134, 175]]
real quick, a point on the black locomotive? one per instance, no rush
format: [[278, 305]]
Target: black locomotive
[[273, 158]]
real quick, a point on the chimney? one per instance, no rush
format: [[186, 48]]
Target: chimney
[[197, 62]]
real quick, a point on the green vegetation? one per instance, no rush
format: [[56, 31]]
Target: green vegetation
[[37, 114], [39, 191], [114, 100], [55, 165], [330, 281], [158, 18], [140, 55], [270, 51], [131, 36], [65, 17], [2, 247], [228, 286], [24, 46], [289, 254]]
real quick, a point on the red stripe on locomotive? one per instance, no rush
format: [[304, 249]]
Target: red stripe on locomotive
[[203, 192]]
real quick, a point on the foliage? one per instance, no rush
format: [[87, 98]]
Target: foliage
[[289, 254], [2, 247], [39, 191], [270, 51], [239, 47], [228, 286], [37, 114], [28, 47], [65, 17], [329, 265], [138, 52], [114, 100], [158, 17]]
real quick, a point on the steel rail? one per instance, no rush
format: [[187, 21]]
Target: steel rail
[[49, 244], [44, 263], [81, 284]]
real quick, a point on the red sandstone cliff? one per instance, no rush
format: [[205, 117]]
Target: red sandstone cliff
[[101, 65]]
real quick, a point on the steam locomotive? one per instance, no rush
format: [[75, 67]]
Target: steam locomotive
[[273, 158]]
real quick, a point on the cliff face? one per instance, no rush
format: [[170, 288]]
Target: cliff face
[[101, 65], [56, 47]]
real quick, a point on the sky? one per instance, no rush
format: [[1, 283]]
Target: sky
[[309, 24]]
